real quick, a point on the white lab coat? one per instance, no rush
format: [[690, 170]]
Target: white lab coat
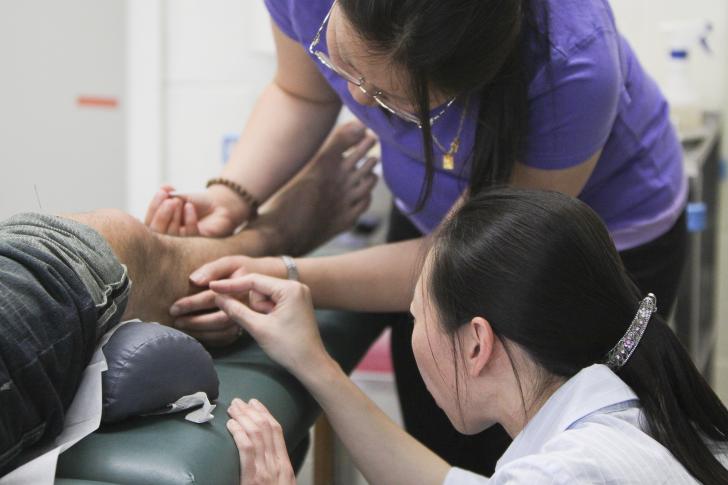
[[588, 432]]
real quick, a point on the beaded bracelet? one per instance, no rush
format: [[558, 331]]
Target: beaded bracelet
[[238, 189]]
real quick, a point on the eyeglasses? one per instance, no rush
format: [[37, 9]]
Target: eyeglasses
[[372, 91]]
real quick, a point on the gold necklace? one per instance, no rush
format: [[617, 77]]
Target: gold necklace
[[448, 157]]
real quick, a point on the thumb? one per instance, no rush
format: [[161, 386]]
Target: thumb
[[249, 320], [201, 201]]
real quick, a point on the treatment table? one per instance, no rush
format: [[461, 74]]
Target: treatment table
[[166, 450]]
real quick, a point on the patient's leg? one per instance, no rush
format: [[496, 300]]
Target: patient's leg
[[61, 288], [159, 265], [64, 282]]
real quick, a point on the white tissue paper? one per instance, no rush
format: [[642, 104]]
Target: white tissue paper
[[82, 418], [202, 415]]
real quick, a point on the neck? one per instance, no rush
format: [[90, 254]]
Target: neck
[[518, 409]]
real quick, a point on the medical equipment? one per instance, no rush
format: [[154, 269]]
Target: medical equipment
[[685, 105]]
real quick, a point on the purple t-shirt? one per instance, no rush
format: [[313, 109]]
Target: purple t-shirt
[[594, 95]]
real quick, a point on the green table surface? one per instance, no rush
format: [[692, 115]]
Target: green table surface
[[169, 450]]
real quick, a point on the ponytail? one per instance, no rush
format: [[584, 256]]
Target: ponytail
[[681, 410], [542, 268]]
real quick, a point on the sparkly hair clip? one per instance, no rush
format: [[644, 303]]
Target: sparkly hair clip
[[620, 354]]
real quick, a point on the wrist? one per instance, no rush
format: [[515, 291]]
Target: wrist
[[277, 268], [238, 208], [320, 374]]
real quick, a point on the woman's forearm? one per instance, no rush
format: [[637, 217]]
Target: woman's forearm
[[283, 132], [382, 451], [377, 279]]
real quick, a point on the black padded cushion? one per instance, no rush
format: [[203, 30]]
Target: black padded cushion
[[150, 367]]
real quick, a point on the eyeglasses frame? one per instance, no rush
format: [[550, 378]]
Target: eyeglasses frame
[[359, 81]]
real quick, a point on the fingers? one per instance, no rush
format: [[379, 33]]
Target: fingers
[[266, 291], [261, 422], [202, 203], [255, 427], [207, 322], [267, 286], [241, 271], [157, 200], [217, 338], [279, 443], [165, 217], [190, 221], [247, 318], [186, 219], [205, 300], [246, 450], [214, 328], [176, 222], [259, 439], [260, 303], [220, 268], [260, 426]]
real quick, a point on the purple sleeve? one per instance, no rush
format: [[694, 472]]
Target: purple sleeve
[[280, 12], [573, 105]]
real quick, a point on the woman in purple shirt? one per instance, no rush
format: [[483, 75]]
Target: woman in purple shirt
[[462, 95]]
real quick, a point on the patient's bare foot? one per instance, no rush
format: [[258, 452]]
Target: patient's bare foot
[[327, 196]]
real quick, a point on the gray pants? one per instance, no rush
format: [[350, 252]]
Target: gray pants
[[61, 288]]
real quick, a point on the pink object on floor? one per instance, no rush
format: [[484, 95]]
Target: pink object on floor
[[378, 359]]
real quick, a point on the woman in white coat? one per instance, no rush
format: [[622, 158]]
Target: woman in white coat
[[524, 316]]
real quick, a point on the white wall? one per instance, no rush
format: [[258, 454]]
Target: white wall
[[639, 21], [219, 56], [144, 121], [53, 52]]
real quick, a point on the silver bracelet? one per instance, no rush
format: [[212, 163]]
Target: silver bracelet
[[291, 268]]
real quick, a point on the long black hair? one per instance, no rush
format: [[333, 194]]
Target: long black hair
[[461, 47], [542, 269]]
